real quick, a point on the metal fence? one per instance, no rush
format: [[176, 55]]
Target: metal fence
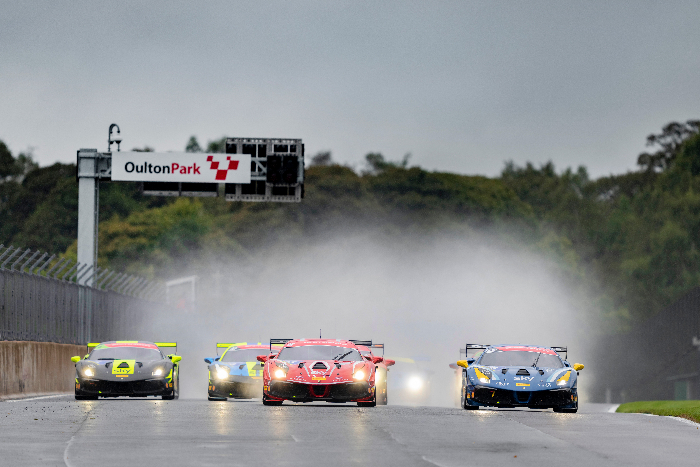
[[651, 359], [42, 299]]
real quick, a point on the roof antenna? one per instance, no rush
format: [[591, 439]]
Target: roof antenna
[[319, 333]]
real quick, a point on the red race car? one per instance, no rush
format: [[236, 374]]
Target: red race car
[[310, 370], [382, 365]]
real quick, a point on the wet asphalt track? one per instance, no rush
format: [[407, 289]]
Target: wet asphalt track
[[61, 431]]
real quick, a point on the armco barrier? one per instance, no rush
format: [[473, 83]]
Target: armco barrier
[[30, 368]]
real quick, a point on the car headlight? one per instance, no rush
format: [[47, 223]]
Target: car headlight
[[415, 383], [358, 375], [564, 380], [89, 372], [483, 375], [281, 371], [158, 372], [222, 372]]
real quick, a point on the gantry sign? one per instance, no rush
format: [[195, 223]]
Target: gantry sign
[[251, 169]]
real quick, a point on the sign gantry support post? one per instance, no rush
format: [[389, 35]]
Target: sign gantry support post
[[250, 169]]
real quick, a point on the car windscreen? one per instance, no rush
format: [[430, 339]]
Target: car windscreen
[[319, 352], [126, 353], [243, 355], [520, 358]]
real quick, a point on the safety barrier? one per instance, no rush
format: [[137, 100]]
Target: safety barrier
[[42, 299]]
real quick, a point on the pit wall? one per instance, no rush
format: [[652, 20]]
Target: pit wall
[[36, 368]]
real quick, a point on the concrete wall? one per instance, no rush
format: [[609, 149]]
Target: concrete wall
[[31, 368]]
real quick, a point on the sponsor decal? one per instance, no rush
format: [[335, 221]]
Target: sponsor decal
[[319, 378], [523, 378], [123, 367], [522, 384], [180, 167]]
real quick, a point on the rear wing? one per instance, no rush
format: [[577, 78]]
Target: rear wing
[[561, 350], [358, 342], [473, 347], [226, 345], [278, 342], [378, 346], [92, 345], [167, 344]]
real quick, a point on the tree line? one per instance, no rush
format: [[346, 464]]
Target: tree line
[[632, 240]]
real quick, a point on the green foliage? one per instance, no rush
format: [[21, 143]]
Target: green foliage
[[193, 145], [631, 240], [689, 410]]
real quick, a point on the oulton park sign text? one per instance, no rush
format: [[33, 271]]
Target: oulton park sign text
[[180, 167]]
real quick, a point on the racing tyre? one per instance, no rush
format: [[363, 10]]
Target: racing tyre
[[170, 397], [558, 410], [371, 403], [85, 398], [217, 398], [176, 391], [267, 401], [466, 406]]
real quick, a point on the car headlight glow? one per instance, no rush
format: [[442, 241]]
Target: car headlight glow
[[484, 380], [222, 372], [280, 373], [415, 383], [358, 375], [158, 372], [89, 372], [564, 380]]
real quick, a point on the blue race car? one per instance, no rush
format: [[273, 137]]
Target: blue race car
[[237, 373], [519, 376]]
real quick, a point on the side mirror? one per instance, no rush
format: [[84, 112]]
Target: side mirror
[[263, 358], [209, 360], [376, 360], [175, 358], [578, 366], [75, 359], [389, 362], [463, 363], [471, 360]]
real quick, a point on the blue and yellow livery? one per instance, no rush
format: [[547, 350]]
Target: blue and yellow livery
[[237, 373], [519, 376]]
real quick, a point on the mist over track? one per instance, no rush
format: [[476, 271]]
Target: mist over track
[[423, 296]]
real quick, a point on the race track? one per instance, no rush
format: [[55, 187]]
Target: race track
[[60, 431]]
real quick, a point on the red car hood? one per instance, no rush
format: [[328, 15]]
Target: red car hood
[[333, 373]]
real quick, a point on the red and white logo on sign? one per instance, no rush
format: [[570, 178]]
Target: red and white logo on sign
[[222, 172]]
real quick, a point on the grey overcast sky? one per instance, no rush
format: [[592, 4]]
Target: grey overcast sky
[[461, 85]]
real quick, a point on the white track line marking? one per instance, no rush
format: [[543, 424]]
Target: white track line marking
[[37, 398], [613, 409], [685, 420], [680, 419], [65, 452], [432, 462]]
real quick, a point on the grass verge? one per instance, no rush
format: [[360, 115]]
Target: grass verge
[[685, 409]]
